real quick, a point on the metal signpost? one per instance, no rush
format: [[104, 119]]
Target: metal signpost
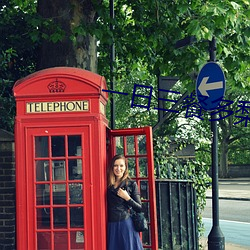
[[210, 89]]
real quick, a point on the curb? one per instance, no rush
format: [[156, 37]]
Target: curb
[[243, 179], [230, 198]]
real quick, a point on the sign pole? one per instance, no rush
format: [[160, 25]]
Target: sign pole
[[216, 240], [112, 62]]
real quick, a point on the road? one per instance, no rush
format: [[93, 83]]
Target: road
[[234, 211]]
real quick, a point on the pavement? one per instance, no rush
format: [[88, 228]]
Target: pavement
[[243, 194], [230, 194], [228, 246]]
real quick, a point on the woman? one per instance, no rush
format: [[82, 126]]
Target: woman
[[122, 195]]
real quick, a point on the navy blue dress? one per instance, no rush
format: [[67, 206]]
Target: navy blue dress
[[121, 231]]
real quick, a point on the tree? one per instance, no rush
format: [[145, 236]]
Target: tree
[[231, 133], [156, 26], [145, 35], [69, 39]]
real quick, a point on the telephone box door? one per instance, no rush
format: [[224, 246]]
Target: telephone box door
[[136, 145], [59, 188]]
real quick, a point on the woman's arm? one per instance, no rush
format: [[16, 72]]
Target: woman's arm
[[133, 200]]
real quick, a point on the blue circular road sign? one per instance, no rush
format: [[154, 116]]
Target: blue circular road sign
[[210, 86]]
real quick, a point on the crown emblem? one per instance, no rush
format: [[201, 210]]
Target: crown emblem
[[56, 86]]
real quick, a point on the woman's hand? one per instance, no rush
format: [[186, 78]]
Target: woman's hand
[[123, 194]]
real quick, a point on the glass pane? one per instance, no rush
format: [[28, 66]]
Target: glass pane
[[131, 167], [74, 145], [58, 146], [42, 171], [146, 237], [46, 195], [76, 217], [43, 218], [143, 165], [144, 190], [77, 240], [58, 171], [145, 209], [119, 145], [40, 194], [41, 146], [75, 169], [60, 217], [44, 241], [75, 193], [59, 194], [142, 144], [61, 240], [130, 145]]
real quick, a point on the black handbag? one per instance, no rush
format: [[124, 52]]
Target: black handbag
[[140, 222]]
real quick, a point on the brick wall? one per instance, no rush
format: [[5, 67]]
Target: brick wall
[[7, 192]]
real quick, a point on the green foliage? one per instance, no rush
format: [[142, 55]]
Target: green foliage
[[145, 35], [149, 30], [140, 111], [7, 106], [193, 170], [17, 54]]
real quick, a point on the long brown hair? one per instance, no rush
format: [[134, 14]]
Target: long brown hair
[[111, 175]]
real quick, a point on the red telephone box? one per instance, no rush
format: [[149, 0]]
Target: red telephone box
[[62, 147]]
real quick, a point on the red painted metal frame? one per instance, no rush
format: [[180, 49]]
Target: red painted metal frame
[[95, 234], [31, 186], [147, 131]]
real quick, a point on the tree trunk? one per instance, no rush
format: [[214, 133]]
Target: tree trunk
[[75, 49], [223, 166], [226, 130]]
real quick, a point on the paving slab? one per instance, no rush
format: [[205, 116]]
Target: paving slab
[[242, 192], [228, 246]]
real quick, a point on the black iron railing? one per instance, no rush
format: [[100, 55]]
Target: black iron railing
[[177, 220]]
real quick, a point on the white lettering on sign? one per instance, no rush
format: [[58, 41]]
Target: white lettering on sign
[[49, 107]]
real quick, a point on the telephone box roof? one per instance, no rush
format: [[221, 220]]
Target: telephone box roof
[[92, 82]]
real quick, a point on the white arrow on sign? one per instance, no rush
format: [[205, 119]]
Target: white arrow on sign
[[204, 86]]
